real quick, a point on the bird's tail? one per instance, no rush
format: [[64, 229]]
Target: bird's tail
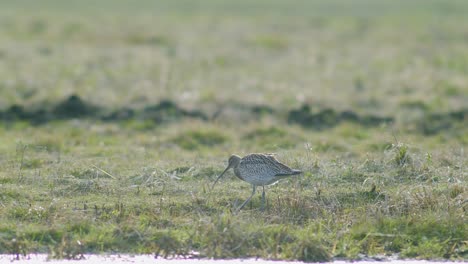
[[293, 172]]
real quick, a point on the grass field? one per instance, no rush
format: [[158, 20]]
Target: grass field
[[116, 117]]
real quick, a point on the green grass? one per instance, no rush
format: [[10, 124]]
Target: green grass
[[367, 98]]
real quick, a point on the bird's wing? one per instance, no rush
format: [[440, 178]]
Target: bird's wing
[[269, 161]]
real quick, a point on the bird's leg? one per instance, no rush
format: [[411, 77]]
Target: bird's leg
[[263, 198], [242, 205]]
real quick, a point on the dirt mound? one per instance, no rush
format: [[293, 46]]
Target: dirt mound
[[328, 118], [120, 114], [169, 111], [18, 112], [15, 112], [438, 122], [74, 107], [164, 111], [239, 112]]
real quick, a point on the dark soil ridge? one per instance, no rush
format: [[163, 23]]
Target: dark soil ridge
[[439, 122], [328, 118], [74, 107]]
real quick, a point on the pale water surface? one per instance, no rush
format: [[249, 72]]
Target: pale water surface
[[118, 259]]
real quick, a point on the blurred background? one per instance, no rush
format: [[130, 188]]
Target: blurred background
[[314, 64], [385, 57]]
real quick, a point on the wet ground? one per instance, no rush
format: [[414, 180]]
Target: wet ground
[[116, 259]]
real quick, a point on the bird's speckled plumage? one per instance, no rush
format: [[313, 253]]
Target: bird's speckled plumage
[[258, 170], [262, 169]]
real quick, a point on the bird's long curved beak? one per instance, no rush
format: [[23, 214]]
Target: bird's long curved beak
[[219, 177]]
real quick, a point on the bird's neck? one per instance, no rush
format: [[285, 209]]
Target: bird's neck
[[238, 174]]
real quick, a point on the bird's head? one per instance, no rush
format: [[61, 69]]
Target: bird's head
[[233, 162]]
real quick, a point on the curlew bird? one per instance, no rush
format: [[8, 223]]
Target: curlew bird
[[258, 170]]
